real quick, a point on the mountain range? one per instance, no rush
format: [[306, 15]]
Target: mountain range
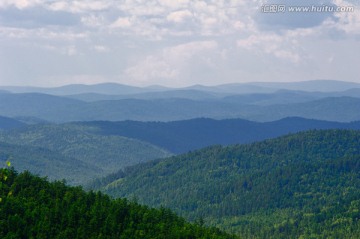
[[233, 88], [322, 100], [259, 160]]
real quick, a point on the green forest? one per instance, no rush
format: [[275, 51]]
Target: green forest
[[303, 185], [31, 207]]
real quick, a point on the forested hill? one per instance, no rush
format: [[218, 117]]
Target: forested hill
[[31, 207], [301, 185]]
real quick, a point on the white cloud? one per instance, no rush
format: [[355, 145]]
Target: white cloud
[[79, 6], [174, 4], [187, 50], [13, 33], [285, 45], [20, 4], [101, 49], [95, 21], [179, 16], [71, 50], [151, 68], [170, 64], [197, 17], [34, 35], [121, 22], [67, 50], [348, 21], [63, 36], [149, 18], [141, 8]]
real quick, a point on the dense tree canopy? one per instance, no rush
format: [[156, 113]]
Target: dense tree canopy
[[301, 185], [31, 207]]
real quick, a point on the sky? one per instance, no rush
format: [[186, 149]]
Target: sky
[[177, 43]]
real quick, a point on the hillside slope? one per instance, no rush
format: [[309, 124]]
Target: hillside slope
[[9, 123], [106, 154], [31, 207], [304, 184], [45, 162]]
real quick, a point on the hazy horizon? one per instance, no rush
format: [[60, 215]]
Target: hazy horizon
[[181, 87]]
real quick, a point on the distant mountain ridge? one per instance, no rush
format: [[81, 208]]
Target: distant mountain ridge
[[183, 136], [181, 94], [103, 88], [61, 109], [238, 88], [312, 85], [258, 101]]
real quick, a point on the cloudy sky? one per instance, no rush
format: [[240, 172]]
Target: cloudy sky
[[176, 42]]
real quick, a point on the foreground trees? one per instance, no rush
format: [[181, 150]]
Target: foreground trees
[[31, 207]]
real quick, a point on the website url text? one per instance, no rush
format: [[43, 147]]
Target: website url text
[[281, 8]]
